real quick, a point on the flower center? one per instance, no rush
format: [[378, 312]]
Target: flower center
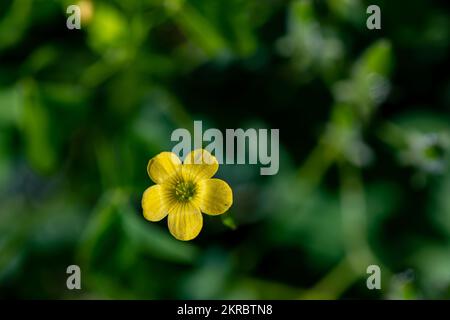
[[185, 191]]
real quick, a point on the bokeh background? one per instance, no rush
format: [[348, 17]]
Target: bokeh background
[[364, 147]]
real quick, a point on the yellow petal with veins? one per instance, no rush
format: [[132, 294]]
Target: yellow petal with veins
[[185, 221], [215, 196], [153, 204], [163, 166], [199, 164]]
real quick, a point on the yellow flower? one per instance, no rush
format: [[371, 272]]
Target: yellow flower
[[183, 191]]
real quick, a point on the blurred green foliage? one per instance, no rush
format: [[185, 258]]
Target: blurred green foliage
[[365, 138]]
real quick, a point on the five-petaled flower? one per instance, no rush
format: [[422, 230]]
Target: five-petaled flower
[[183, 191]]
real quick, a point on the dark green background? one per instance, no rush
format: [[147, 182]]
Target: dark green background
[[364, 147]]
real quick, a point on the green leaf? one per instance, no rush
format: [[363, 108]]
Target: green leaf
[[102, 218], [229, 221], [11, 100], [35, 126], [199, 29], [108, 28], [377, 59]]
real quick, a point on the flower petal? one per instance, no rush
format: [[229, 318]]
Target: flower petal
[[215, 196], [153, 205], [199, 164], [163, 166], [185, 221]]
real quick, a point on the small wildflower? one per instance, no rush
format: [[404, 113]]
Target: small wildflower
[[183, 191]]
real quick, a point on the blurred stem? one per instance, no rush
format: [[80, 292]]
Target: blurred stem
[[354, 216], [354, 224], [393, 135], [102, 216], [100, 71], [313, 169], [334, 283], [14, 24], [107, 163]]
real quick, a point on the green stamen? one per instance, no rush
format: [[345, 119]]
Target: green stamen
[[185, 191]]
